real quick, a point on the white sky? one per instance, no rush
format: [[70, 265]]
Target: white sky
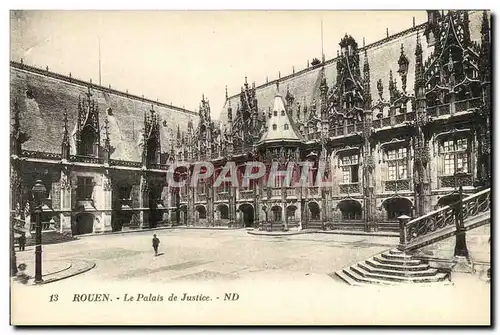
[[176, 56]]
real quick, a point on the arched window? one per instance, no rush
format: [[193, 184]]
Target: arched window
[[286, 126], [275, 127]]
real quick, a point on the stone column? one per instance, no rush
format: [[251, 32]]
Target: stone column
[[144, 202], [107, 190], [65, 203]]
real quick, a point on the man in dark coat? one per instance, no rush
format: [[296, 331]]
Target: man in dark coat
[[22, 242], [156, 243]]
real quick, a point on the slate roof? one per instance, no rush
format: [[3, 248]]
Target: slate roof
[[382, 57], [43, 98], [278, 124]]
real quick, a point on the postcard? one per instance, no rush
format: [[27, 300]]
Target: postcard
[[250, 167]]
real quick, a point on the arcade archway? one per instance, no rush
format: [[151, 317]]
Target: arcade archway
[[350, 209], [247, 211], [84, 224], [396, 207]]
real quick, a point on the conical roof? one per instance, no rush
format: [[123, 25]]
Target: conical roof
[[279, 126]]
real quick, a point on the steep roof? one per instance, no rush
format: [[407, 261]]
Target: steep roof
[[44, 96], [382, 57], [278, 124]]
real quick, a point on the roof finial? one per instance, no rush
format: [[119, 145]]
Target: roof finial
[[279, 74], [226, 93], [293, 69], [363, 41], [387, 31], [246, 79], [278, 86], [267, 79]]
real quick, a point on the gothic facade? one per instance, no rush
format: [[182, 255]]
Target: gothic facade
[[401, 124]]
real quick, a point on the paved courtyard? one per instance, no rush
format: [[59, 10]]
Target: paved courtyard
[[200, 254]]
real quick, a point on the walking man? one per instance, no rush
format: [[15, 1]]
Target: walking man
[[22, 242], [156, 242]]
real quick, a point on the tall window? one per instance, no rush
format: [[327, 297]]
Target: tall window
[[397, 163], [455, 156], [350, 168], [85, 186], [124, 191], [201, 188]]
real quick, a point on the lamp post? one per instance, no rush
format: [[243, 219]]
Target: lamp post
[[13, 260], [38, 191], [460, 243]]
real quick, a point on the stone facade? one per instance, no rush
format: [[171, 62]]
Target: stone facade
[[401, 124]]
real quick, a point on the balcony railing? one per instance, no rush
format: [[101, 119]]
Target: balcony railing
[[346, 129], [86, 159], [397, 185], [313, 191], [201, 197], [157, 166], [42, 155], [291, 192], [222, 196], [348, 188], [118, 162], [246, 194], [276, 192], [439, 110], [414, 231], [453, 181], [465, 105], [394, 120]]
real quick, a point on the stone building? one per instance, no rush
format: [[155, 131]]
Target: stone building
[[401, 124]]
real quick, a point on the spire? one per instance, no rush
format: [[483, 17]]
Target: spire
[[419, 69], [16, 131], [277, 88], [322, 52], [484, 61], [279, 126], [366, 82]]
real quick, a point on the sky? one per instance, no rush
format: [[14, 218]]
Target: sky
[[176, 56]]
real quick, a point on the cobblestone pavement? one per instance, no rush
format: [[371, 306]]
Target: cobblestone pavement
[[216, 255]]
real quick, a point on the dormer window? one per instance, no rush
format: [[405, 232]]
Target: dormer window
[[275, 127], [286, 126], [275, 113], [282, 113]]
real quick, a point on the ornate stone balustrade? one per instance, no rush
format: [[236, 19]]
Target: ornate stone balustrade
[[246, 194], [117, 162], [453, 181], [86, 159], [42, 155], [397, 185], [349, 188], [421, 227]]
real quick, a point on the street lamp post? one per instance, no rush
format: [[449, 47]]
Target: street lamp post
[[13, 260], [462, 260], [38, 191], [460, 243]]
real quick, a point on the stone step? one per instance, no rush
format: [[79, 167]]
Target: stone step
[[428, 278], [408, 267], [400, 256], [396, 252], [398, 273], [366, 280], [405, 262], [346, 278]]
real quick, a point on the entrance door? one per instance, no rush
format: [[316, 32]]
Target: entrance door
[[248, 215], [84, 224]]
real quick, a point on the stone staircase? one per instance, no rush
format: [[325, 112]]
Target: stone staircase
[[389, 268], [399, 265]]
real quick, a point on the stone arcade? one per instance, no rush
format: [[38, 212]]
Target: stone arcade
[[396, 120]]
